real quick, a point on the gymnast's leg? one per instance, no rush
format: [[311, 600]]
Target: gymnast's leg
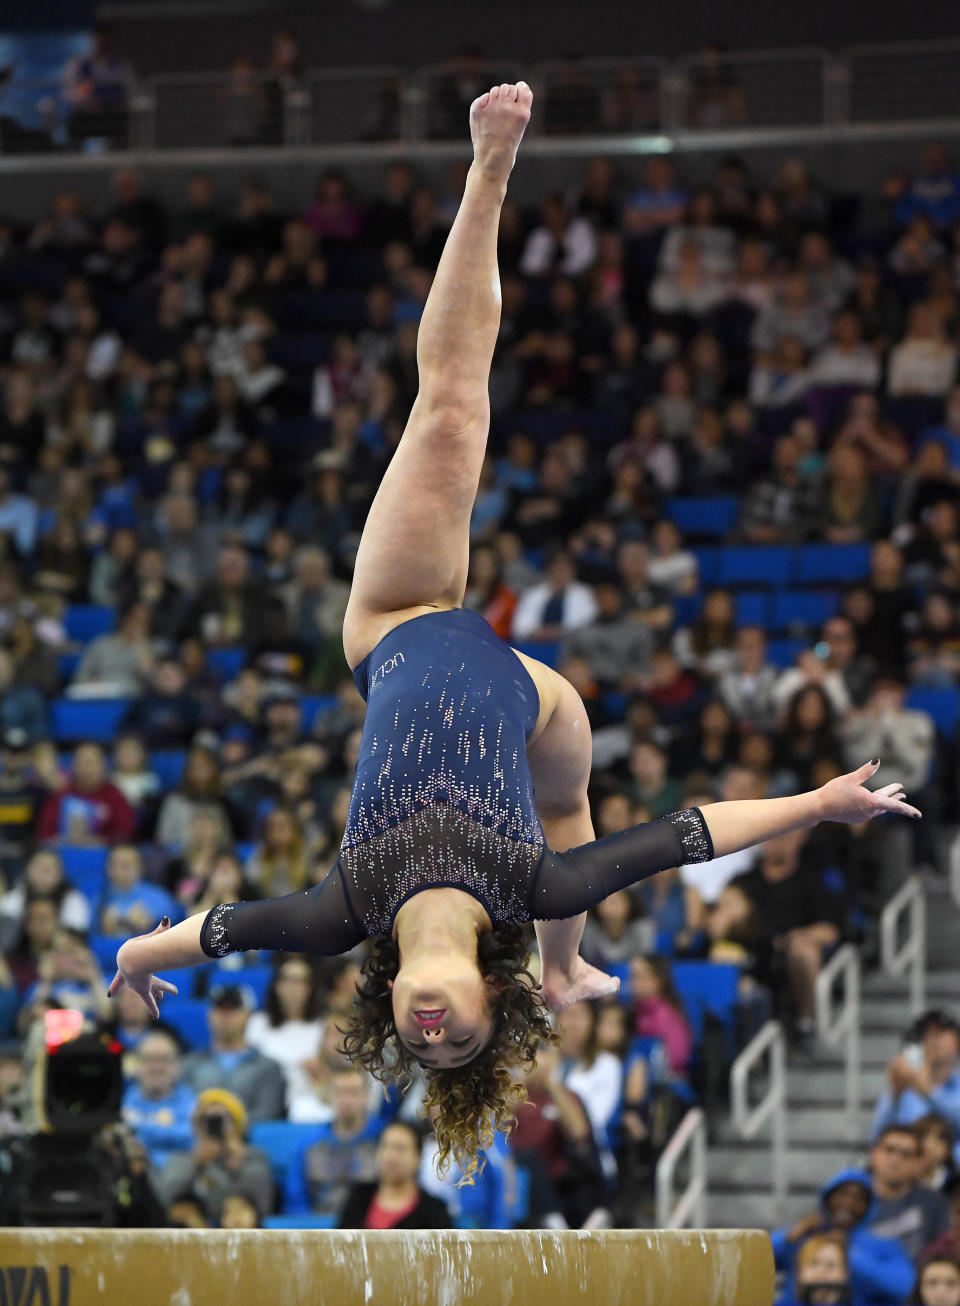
[[414, 552]]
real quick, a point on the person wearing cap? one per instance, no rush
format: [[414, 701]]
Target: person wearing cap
[[924, 1076], [220, 1162], [21, 798], [256, 1080]]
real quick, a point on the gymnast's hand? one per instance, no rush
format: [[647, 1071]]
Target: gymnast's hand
[[148, 986], [845, 799], [562, 988]]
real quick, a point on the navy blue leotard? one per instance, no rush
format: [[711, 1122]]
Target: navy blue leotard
[[443, 797]]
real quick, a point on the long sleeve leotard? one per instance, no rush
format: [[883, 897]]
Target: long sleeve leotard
[[443, 797]]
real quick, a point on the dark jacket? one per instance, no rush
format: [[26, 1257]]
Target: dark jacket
[[429, 1212]]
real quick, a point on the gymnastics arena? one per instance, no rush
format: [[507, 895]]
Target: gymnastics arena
[[479, 609]]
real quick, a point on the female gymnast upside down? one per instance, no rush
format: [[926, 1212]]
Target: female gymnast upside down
[[471, 783]]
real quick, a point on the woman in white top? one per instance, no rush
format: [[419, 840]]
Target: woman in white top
[[596, 1077], [924, 362], [290, 1027], [44, 877]]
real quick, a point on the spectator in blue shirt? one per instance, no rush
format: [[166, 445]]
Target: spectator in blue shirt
[[158, 1105], [935, 191], [131, 904], [881, 1273], [924, 1077], [342, 1152], [18, 517]]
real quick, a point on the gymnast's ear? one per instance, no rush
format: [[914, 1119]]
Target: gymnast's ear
[[389, 984]]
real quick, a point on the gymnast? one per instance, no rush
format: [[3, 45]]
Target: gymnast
[[468, 815]]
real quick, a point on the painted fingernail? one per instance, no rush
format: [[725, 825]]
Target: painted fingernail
[[165, 921], [874, 761], [109, 994]]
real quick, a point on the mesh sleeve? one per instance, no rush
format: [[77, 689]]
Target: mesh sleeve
[[568, 883], [319, 920]]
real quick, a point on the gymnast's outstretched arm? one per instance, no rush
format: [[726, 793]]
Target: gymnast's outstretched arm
[[569, 883], [318, 920]]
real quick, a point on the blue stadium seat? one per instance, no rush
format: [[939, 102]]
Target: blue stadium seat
[[783, 653], [543, 650], [686, 609], [818, 564], [615, 704], [87, 718], [707, 986], [308, 1220], [188, 1016], [752, 608], [294, 350], [708, 564], [105, 948], [67, 664], [712, 515], [518, 1205], [760, 565], [622, 971], [314, 705], [85, 621], [941, 703], [167, 765], [87, 869], [256, 978], [282, 1141], [227, 662], [803, 608]]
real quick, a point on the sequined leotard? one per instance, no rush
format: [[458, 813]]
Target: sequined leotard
[[443, 797]]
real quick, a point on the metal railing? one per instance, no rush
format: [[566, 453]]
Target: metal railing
[[691, 1206], [910, 904], [705, 100], [762, 88], [902, 81], [843, 1025], [767, 1044]]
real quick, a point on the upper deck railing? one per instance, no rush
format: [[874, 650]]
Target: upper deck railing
[[762, 96]]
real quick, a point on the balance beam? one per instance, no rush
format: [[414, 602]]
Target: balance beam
[[450, 1267]]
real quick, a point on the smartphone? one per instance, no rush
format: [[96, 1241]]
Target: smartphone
[[214, 1126], [913, 1055]]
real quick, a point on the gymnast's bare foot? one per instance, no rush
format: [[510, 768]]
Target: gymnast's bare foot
[[497, 122]]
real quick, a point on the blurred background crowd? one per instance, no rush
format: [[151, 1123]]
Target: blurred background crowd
[[721, 498]]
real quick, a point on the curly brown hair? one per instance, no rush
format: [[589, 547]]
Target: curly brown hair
[[475, 1100]]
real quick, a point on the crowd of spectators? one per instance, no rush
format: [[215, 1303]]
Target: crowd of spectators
[[198, 401], [889, 1233]]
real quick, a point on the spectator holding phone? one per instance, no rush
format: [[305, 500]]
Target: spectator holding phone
[[220, 1162], [925, 1076]]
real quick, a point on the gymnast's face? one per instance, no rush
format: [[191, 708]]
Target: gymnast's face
[[442, 1011]]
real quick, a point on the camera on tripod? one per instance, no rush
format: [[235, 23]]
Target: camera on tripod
[[71, 1166]]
